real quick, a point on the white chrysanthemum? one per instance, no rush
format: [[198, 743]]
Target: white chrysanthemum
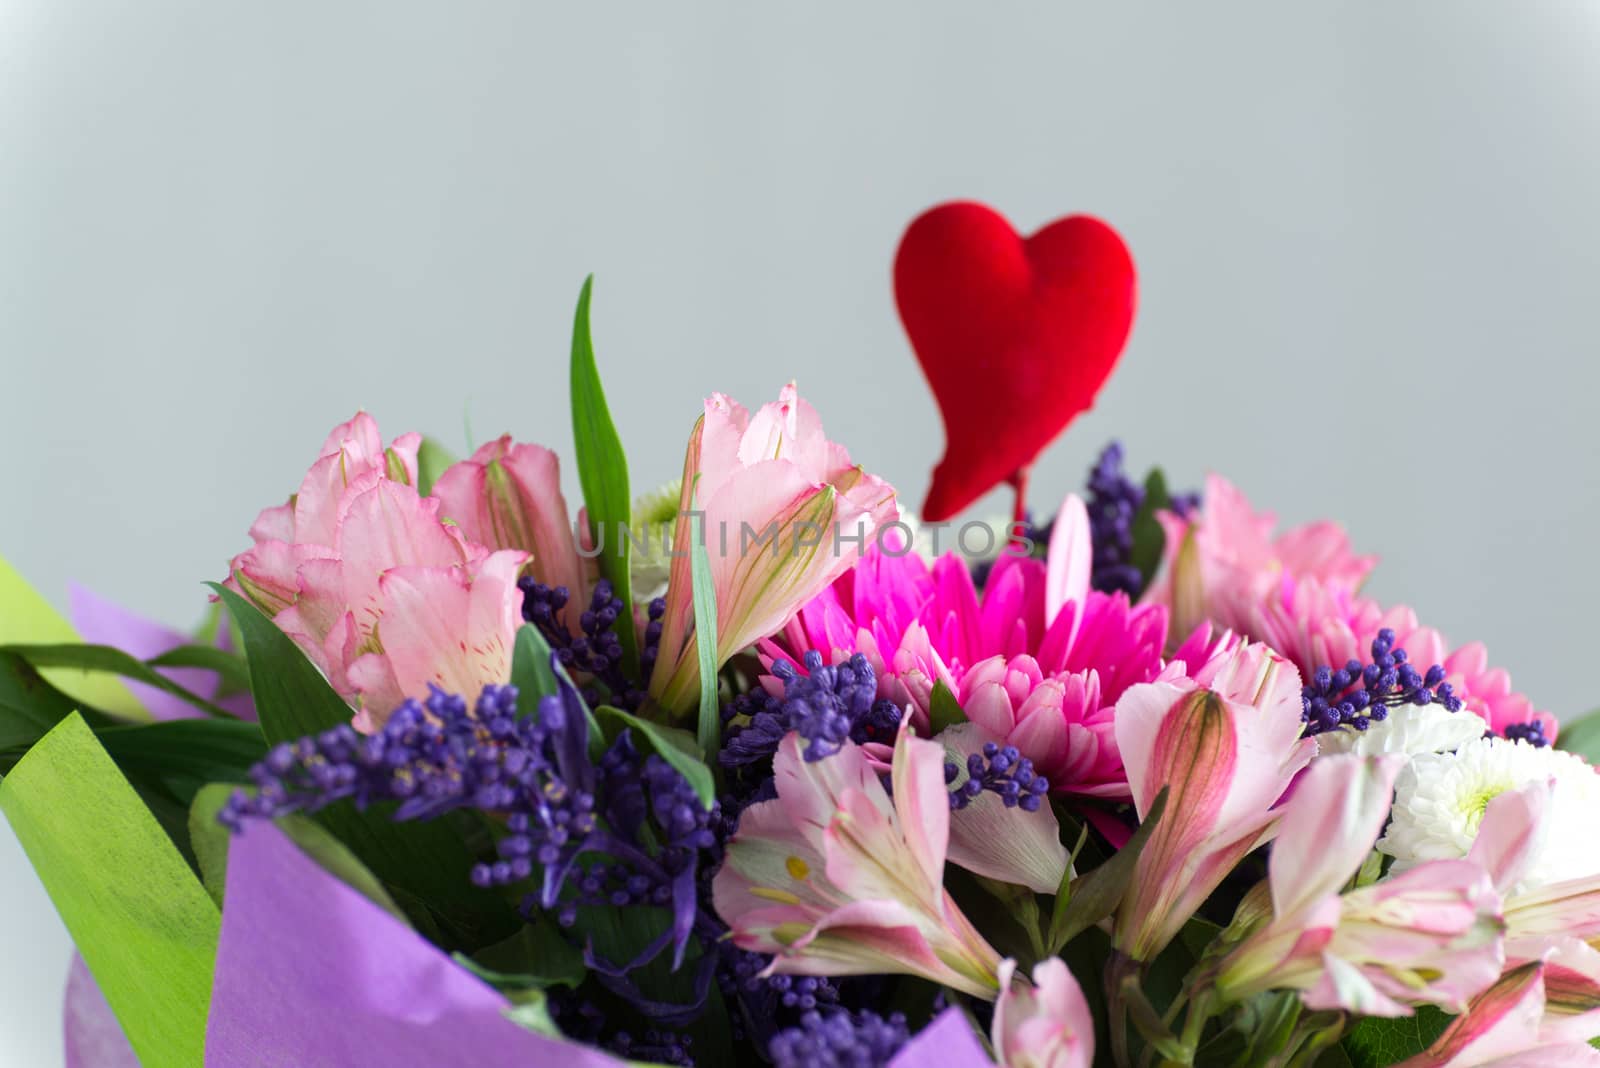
[[655, 517], [1440, 799], [1409, 729]]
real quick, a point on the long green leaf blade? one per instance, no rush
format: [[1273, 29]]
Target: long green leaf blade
[[603, 473], [230, 667], [537, 674], [705, 629], [1581, 735], [292, 698], [28, 617], [531, 672], [30, 706], [677, 747], [433, 460], [1148, 538], [92, 659], [184, 755], [1095, 895]]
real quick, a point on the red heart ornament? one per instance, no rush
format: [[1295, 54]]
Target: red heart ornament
[[1016, 336]]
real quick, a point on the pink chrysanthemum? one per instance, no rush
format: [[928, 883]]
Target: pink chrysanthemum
[[1315, 625], [1297, 592]]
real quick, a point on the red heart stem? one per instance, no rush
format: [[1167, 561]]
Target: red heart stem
[[1019, 483]]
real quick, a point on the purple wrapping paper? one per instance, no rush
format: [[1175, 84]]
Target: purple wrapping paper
[[93, 1037], [947, 1042], [310, 973], [101, 622]]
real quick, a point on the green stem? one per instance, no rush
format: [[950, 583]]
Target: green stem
[[1176, 1007], [1315, 1040], [1194, 1024], [1117, 968]]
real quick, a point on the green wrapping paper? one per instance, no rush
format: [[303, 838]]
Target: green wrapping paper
[[144, 924]]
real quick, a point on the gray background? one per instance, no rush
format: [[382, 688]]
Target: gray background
[[1366, 239]]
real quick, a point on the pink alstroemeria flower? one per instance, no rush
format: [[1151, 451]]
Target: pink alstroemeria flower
[[833, 879], [1225, 747], [1043, 1025], [1539, 1015], [783, 513], [391, 598], [508, 496], [1039, 660], [1431, 935]]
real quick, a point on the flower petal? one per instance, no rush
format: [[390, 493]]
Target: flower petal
[[1008, 844], [1329, 826], [1070, 558]]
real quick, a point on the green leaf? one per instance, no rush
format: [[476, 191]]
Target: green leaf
[[1095, 895], [1335, 1056], [29, 618], [537, 956], [1275, 1015], [619, 935], [531, 672], [92, 659], [1002, 926], [433, 460], [141, 919], [208, 839], [530, 1012], [1379, 1041], [1198, 936], [292, 698], [944, 710], [1058, 910], [536, 675], [1582, 736], [428, 859], [705, 629], [603, 472], [30, 706], [1090, 956], [183, 755], [230, 667], [1148, 538], [1168, 974], [677, 747]]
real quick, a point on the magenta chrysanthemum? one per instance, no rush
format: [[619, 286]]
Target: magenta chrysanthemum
[[1043, 681]]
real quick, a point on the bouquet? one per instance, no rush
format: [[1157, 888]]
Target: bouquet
[[760, 769]]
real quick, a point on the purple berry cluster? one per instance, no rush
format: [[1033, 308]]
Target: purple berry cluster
[[1359, 695]]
